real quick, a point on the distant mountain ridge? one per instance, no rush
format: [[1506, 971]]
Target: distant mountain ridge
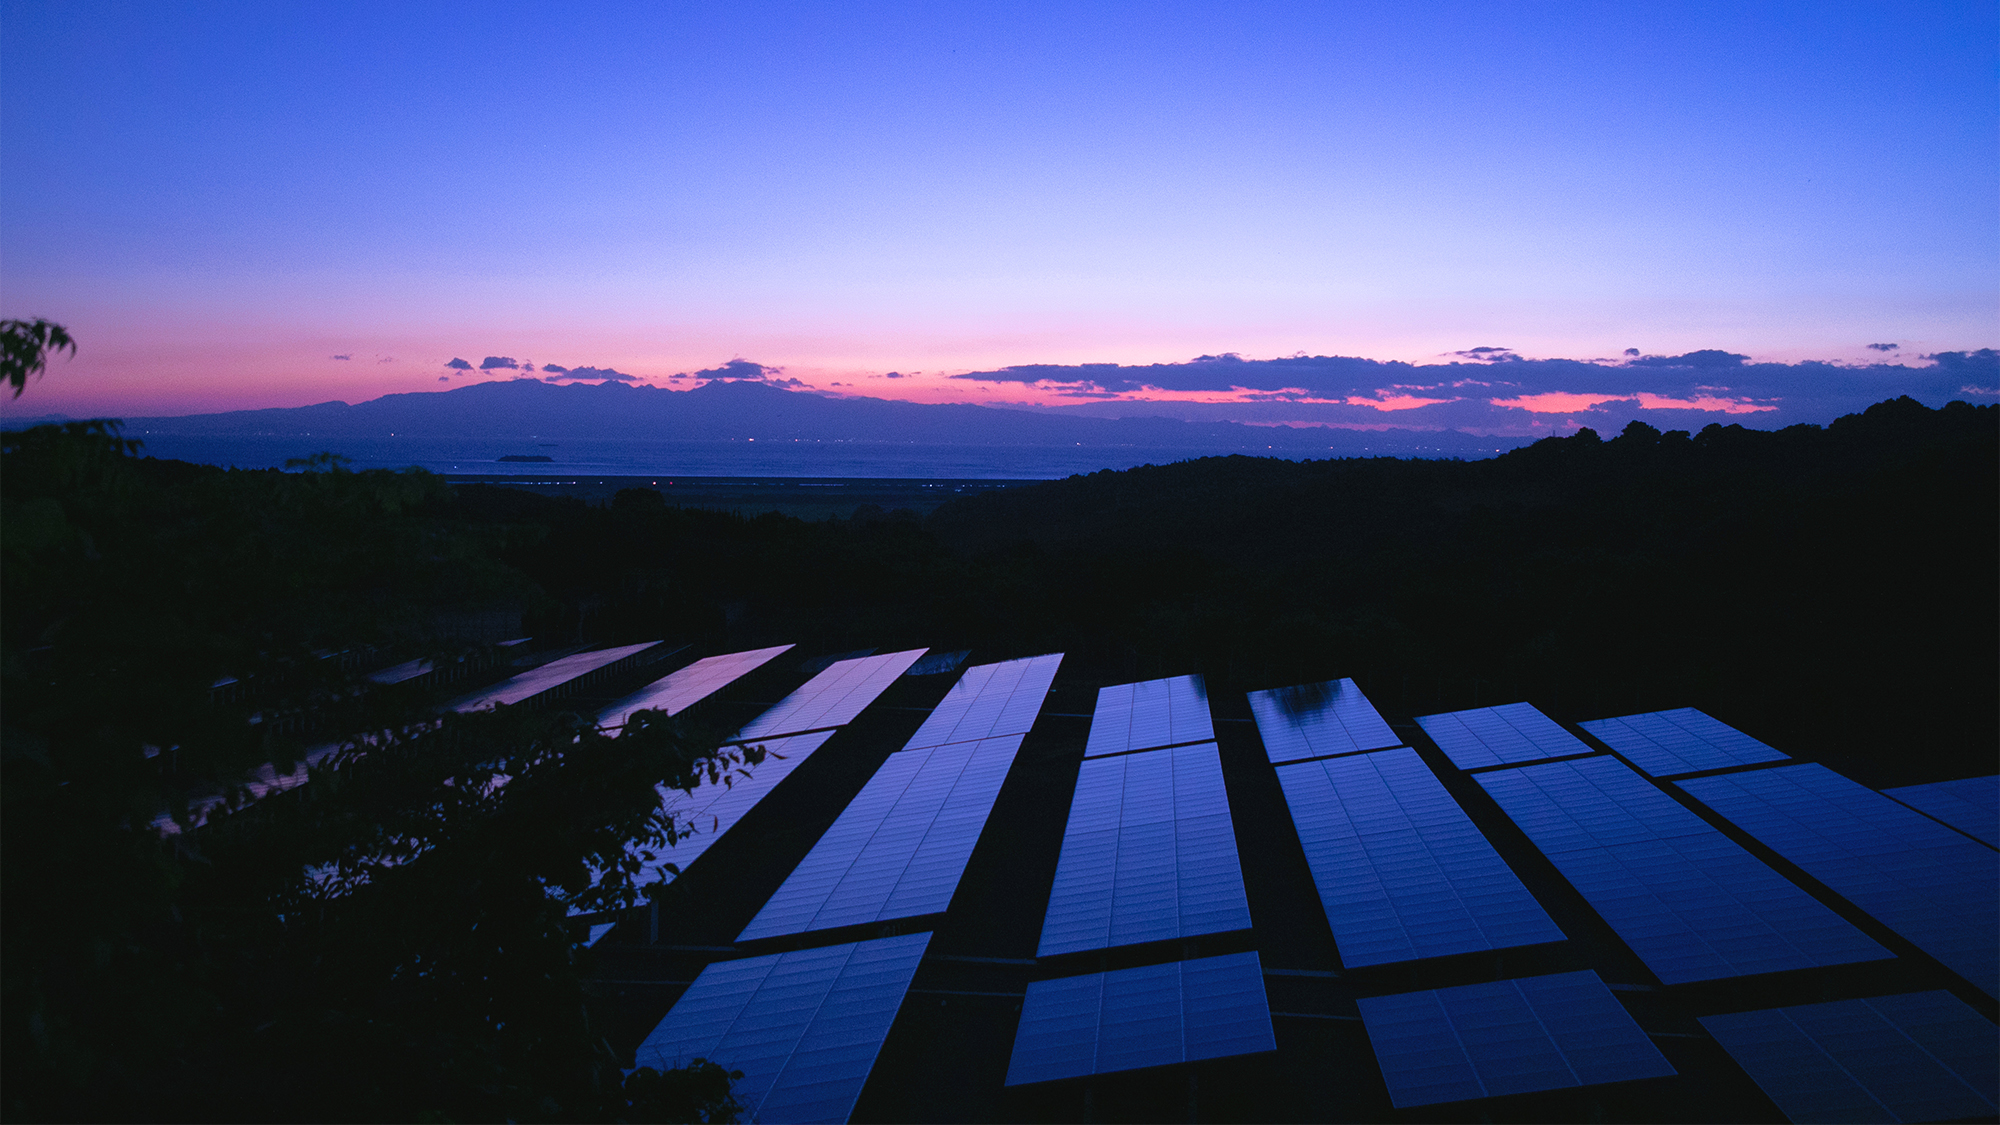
[[741, 410]]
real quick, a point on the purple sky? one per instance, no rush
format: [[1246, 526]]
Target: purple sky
[[259, 205]]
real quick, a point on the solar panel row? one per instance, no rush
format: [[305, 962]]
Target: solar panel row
[[1971, 805], [548, 677], [1148, 854], [1921, 1056], [678, 691], [833, 698], [1930, 884], [804, 1027], [1155, 1015], [1690, 902], [1145, 716], [1498, 736], [1400, 868], [989, 701], [714, 807], [1668, 743], [899, 848], [1318, 721], [1508, 1037]]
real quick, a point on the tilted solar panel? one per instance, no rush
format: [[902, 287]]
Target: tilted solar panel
[[1690, 902], [899, 848], [1148, 715], [1928, 883], [1318, 721], [989, 701], [833, 698], [803, 1027], [1148, 854], [1971, 805], [1155, 1015], [714, 807], [1667, 743], [1921, 1056], [1498, 736], [549, 676], [678, 691], [1508, 1037], [1401, 870]]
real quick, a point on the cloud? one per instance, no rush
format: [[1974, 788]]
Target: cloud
[[458, 364], [1487, 352], [493, 362], [386, 359], [1883, 347], [1631, 351], [592, 374], [1707, 357], [744, 371], [444, 378], [1558, 402], [894, 375], [1396, 402], [1984, 362], [553, 367], [343, 357], [1710, 403]]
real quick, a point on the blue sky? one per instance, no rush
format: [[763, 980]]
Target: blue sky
[[218, 199]]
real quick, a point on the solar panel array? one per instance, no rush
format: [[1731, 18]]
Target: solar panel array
[[548, 677], [1499, 736], [989, 701], [803, 1027], [1971, 805], [1401, 870], [1921, 1056], [714, 807], [678, 691], [1145, 716], [1318, 721], [1926, 882], [1155, 1015], [899, 848], [1667, 743], [1148, 854], [1690, 902], [833, 698], [1507, 1037]]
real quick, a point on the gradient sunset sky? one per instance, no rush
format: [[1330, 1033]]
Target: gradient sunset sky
[[260, 205]]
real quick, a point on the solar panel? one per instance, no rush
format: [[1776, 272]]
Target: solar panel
[[833, 698], [1148, 854], [714, 808], [989, 701], [1148, 715], [1318, 721], [1498, 736], [1928, 883], [1401, 870], [899, 848], [548, 677], [1971, 805], [678, 691], [1921, 1056], [1666, 743], [803, 1027], [1690, 902], [1156, 1015], [1507, 1037]]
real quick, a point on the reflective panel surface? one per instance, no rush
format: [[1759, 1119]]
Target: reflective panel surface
[[833, 698], [1401, 870], [554, 674], [678, 691], [1508, 1037], [1930, 884], [1668, 743], [1690, 902], [1147, 715], [1318, 721], [1971, 805], [989, 701], [1498, 736], [803, 1027], [1155, 1015], [1921, 1056]]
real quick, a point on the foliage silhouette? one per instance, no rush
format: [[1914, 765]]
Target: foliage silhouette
[[25, 346]]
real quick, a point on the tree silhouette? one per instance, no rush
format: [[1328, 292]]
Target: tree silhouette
[[25, 346]]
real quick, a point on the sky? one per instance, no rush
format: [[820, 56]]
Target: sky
[[1077, 205]]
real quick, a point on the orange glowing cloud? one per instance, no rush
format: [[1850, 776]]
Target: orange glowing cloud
[[1702, 402], [1558, 402], [1395, 402]]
